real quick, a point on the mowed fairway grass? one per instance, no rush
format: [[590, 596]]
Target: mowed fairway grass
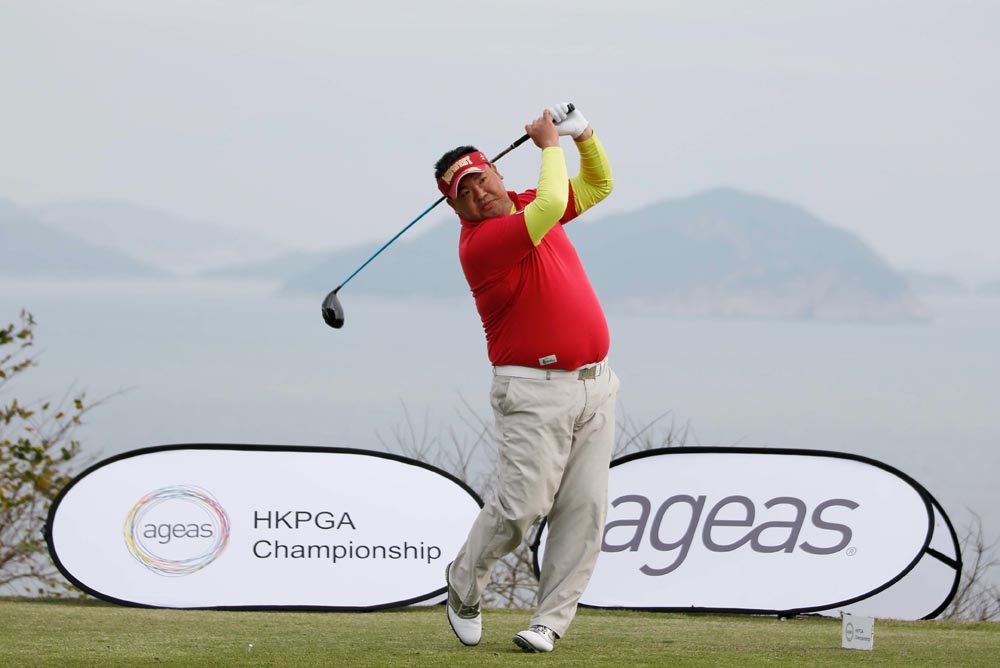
[[90, 633]]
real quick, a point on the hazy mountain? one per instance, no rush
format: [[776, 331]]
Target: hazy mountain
[[156, 237], [725, 252], [425, 263], [279, 268], [718, 253], [991, 288], [934, 284], [30, 248]]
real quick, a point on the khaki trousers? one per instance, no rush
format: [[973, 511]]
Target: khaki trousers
[[554, 440]]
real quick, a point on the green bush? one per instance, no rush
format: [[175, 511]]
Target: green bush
[[37, 452]]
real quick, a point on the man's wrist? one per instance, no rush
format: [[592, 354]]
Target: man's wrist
[[585, 135]]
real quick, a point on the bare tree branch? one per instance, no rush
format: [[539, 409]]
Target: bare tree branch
[[977, 597]]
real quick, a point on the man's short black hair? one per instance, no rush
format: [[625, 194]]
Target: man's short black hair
[[450, 157]]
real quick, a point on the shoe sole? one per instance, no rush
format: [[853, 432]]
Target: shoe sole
[[525, 645]]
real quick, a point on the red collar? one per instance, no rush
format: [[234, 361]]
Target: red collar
[[518, 207]]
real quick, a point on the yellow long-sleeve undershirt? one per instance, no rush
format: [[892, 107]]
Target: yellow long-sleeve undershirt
[[594, 182], [590, 186]]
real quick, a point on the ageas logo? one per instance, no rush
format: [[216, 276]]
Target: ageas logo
[[177, 530], [728, 516]]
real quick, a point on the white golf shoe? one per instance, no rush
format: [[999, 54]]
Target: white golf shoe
[[465, 620], [537, 638]]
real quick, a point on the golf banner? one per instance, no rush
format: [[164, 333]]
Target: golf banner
[[260, 527], [771, 531]]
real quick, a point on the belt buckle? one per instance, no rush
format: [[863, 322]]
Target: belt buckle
[[589, 373]]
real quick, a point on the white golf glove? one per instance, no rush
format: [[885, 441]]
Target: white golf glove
[[569, 124]]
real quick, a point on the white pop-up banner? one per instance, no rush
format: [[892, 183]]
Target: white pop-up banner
[[771, 531], [246, 527]]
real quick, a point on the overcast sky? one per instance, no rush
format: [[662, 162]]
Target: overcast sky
[[317, 123]]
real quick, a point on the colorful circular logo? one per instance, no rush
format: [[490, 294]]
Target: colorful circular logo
[[177, 530]]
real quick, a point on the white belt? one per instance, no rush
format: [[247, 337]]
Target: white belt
[[586, 372]]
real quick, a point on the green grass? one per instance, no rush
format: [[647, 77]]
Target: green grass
[[89, 633]]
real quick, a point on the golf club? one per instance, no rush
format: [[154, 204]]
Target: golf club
[[333, 310]]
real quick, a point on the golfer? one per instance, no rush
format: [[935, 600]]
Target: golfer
[[553, 394]]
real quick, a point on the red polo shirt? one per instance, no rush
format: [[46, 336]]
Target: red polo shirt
[[536, 302]]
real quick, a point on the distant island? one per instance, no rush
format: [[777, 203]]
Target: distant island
[[29, 248], [720, 253], [106, 238], [991, 288], [924, 283], [170, 243], [943, 285]]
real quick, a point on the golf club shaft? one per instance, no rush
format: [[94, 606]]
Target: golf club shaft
[[387, 243], [428, 210]]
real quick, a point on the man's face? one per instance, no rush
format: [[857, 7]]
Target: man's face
[[480, 196]]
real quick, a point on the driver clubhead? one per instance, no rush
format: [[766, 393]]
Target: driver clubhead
[[333, 312]]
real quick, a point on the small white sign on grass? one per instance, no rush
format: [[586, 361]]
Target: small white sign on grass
[[858, 632]]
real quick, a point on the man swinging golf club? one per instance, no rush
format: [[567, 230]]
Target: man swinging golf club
[[553, 394]]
